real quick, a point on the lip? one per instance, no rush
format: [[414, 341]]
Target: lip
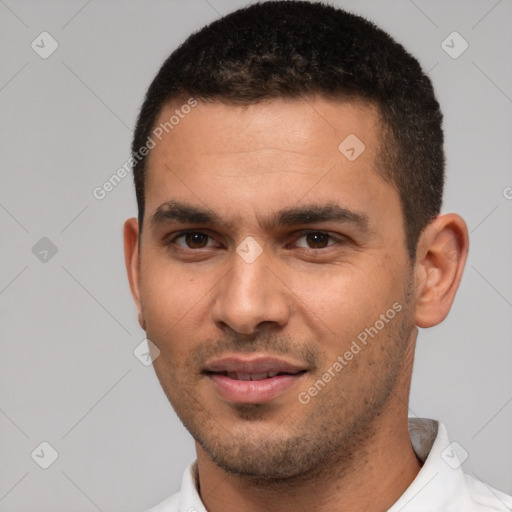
[[258, 364], [252, 391]]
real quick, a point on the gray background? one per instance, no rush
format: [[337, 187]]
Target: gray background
[[68, 375]]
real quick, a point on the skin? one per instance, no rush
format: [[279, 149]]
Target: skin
[[304, 299]]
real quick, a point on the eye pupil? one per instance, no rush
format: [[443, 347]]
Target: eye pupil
[[196, 240], [317, 239]]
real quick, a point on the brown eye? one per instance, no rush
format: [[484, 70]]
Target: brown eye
[[315, 240], [192, 240], [196, 240]]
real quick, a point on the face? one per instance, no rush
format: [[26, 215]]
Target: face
[[274, 279]]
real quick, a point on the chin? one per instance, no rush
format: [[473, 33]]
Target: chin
[[264, 459]]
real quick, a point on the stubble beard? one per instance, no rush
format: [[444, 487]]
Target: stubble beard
[[330, 438]]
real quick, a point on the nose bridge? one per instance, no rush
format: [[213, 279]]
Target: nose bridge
[[250, 293]]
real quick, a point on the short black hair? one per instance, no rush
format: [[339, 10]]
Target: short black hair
[[295, 49]]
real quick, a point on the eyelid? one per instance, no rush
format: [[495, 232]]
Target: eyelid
[[332, 236], [171, 239]]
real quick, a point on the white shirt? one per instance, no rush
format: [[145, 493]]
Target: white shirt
[[440, 485]]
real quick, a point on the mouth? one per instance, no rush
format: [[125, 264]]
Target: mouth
[[253, 376], [253, 381]]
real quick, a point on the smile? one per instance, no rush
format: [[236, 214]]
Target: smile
[[252, 381], [253, 376]]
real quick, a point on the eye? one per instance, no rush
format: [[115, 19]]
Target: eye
[[316, 240], [192, 240]]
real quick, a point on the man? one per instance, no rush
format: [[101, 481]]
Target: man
[[289, 173]]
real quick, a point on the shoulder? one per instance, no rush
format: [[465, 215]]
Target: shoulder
[[187, 499], [170, 504], [487, 498]]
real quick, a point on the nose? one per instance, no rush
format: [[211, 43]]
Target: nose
[[250, 295]]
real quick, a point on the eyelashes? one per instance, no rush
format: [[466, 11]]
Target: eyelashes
[[197, 240]]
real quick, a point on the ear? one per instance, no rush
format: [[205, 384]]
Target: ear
[[441, 255], [131, 258]]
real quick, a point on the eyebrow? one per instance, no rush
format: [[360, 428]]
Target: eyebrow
[[177, 211]]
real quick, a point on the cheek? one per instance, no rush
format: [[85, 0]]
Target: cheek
[[167, 290], [175, 307], [345, 309], [346, 298], [164, 297]]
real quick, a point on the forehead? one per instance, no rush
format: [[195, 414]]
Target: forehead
[[249, 158], [311, 127]]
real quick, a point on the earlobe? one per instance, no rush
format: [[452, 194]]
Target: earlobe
[[142, 322], [131, 257], [440, 260]]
